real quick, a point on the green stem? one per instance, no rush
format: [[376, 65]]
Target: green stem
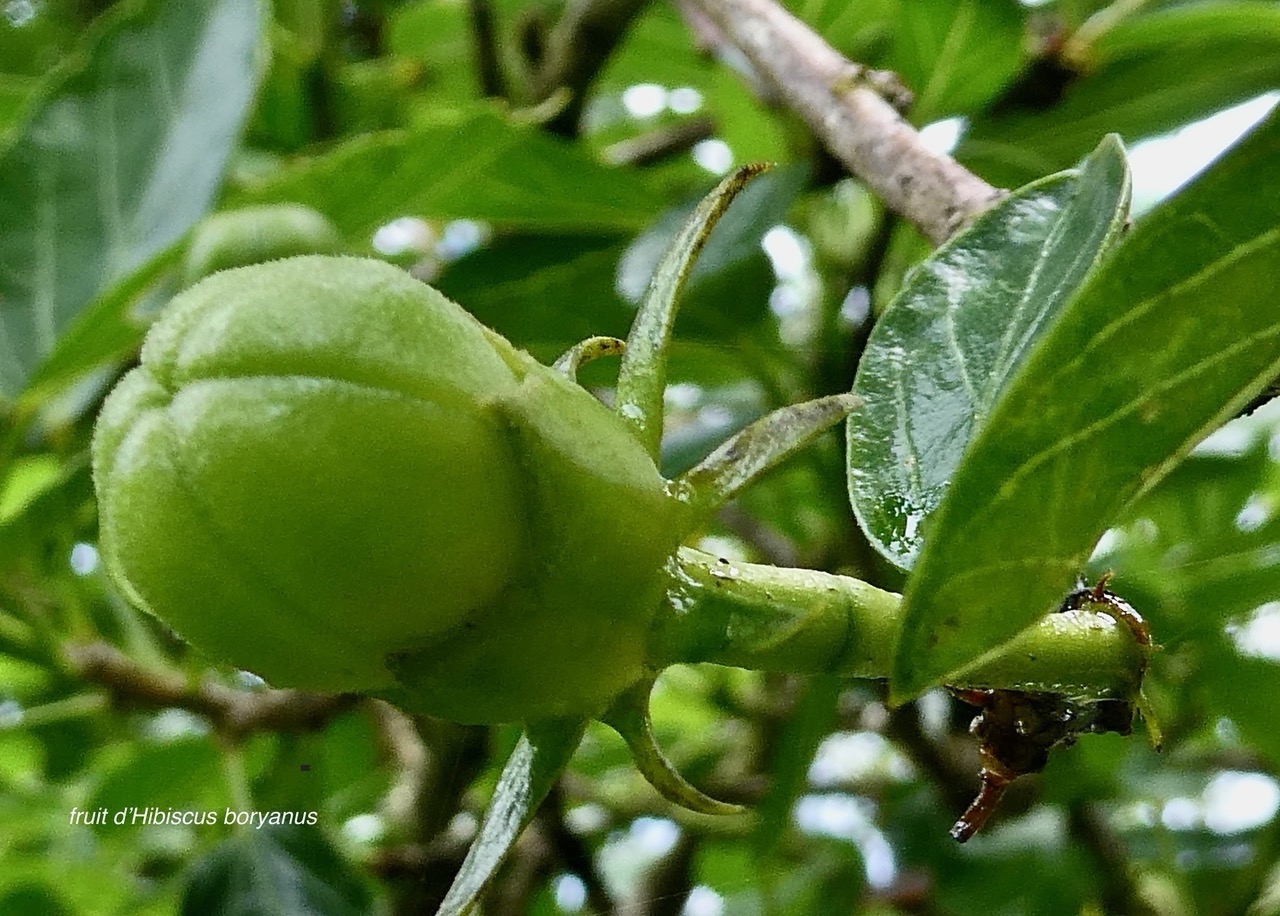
[[237, 779], [75, 707], [801, 621]]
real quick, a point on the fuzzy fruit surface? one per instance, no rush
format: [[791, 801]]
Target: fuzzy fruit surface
[[325, 472]]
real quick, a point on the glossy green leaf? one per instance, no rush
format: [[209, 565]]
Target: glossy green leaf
[[1172, 335], [121, 155], [543, 752], [958, 332], [275, 871], [955, 55], [467, 164], [1151, 73]]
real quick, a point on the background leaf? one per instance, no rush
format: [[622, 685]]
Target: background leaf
[[119, 158], [520, 285], [275, 871], [532, 181], [1149, 74], [958, 331], [1172, 335], [1198, 555]]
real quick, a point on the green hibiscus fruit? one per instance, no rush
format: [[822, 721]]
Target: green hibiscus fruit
[[325, 472]]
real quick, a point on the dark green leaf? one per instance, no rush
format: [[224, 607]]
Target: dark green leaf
[[275, 871], [1173, 334], [1149, 74], [959, 331], [469, 164], [116, 161], [522, 287], [542, 754], [33, 900]]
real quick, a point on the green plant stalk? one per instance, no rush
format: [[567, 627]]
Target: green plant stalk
[[800, 621]]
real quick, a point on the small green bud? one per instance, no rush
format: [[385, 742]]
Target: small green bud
[[253, 235]]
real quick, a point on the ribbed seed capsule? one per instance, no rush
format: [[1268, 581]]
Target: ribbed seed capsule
[[327, 473]]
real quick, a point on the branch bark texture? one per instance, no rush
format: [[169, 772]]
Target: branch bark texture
[[578, 49], [839, 101], [232, 712]]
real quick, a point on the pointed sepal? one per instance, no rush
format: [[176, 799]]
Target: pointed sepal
[[643, 377], [629, 717], [543, 752], [582, 353], [1150, 718], [758, 449]]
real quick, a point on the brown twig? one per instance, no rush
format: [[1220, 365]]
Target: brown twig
[[232, 712], [664, 890], [408, 756], [845, 105], [1116, 884], [572, 852], [660, 143], [577, 49], [454, 756], [485, 44]]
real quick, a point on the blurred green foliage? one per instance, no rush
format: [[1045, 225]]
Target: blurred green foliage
[[123, 125]]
